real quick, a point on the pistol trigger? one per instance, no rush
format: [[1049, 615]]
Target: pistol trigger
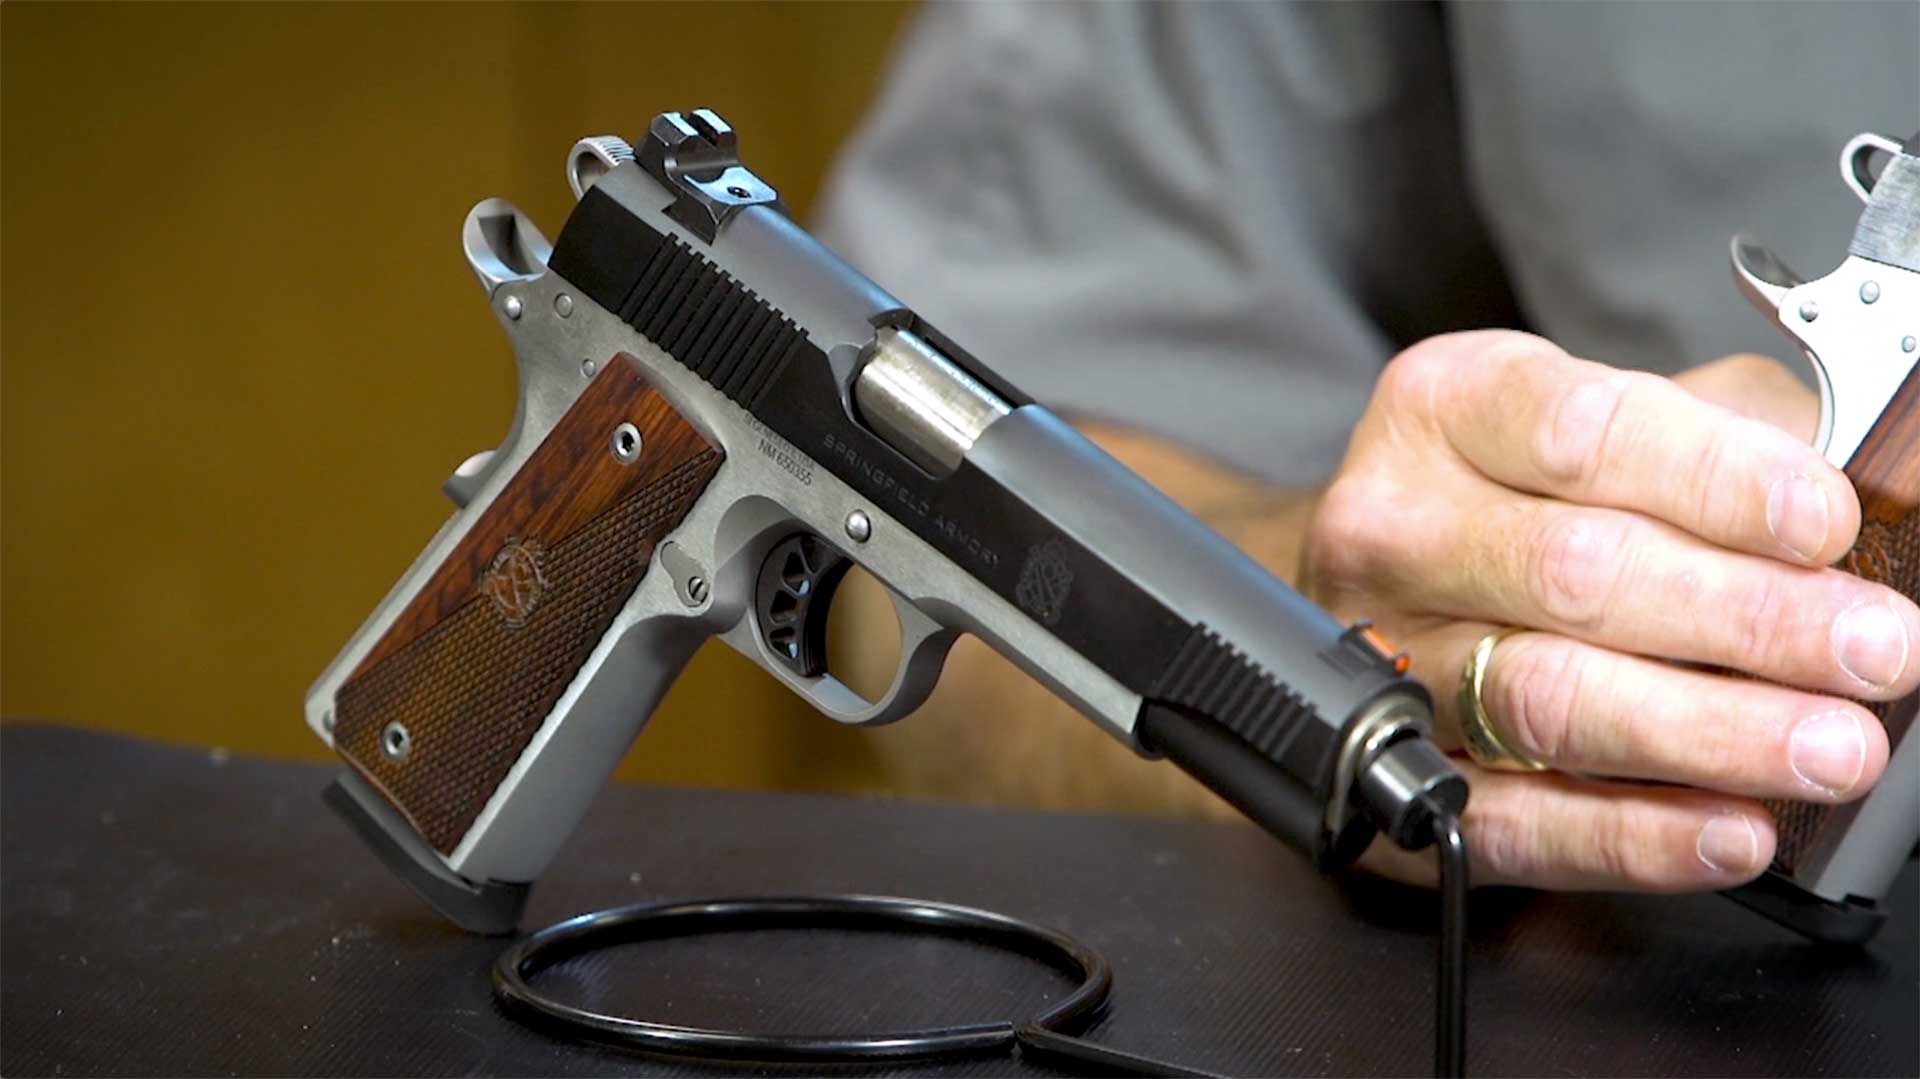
[[792, 595], [466, 479]]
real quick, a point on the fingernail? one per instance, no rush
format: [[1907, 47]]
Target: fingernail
[[1870, 641], [1797, 515], [1728, 845], [1829, 751]]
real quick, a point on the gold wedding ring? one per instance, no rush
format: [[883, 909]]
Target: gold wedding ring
[[1476, 729]]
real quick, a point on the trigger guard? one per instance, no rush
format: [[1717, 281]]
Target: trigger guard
[[1773, 288], [923, 653], [1823, 435], [786, 633]]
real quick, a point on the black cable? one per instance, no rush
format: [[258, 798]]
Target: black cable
[[1041, 1035], [1416, 796], [1047, 1045], [1450, 996]]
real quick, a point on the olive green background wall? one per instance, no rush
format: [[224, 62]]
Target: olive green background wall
[[240, 349]]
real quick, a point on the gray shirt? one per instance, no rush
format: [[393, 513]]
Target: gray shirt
[[1217, 221]]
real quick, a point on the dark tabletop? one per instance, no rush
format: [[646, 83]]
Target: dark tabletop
[[169, 910]]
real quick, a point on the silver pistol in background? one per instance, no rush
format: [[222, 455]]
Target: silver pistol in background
[[716, 418], [1860, 328]]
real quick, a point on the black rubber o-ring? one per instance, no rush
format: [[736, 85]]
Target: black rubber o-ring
[[655, 921]]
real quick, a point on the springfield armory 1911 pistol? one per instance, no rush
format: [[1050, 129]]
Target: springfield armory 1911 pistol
[[717, 417], [1860, 327]]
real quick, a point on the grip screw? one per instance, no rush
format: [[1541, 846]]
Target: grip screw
[[697, 589], [514, 307], [859, 526], [395, 742], [625, 443]]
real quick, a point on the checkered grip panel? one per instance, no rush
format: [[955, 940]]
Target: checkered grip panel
[[450, 697]]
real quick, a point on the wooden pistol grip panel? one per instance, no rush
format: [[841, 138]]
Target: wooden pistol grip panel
[[1885, 470], [476, 662]]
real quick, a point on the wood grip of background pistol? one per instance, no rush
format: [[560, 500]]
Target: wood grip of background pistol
[[1885, 471], [451, 695]]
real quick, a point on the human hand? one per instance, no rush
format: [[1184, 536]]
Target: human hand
[[1644, 529]]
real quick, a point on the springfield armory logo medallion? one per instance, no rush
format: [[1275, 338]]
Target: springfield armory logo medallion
[[514, 581], [1045, 582]]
